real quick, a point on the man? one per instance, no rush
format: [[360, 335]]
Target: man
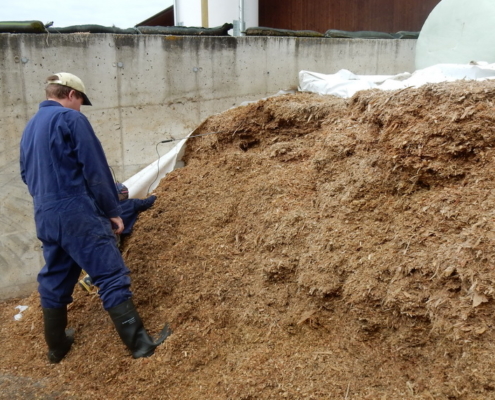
[[130, 212], [75, 208]]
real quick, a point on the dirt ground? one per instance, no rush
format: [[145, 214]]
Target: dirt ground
[[317, 248]]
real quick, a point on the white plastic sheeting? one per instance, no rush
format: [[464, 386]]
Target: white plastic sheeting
[[345, 84], [146, 180]]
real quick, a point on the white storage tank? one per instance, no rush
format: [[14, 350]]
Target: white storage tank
[[211, 13], [457, 32]]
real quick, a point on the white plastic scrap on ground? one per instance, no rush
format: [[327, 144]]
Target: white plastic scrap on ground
[[345, 84], [18, 316]]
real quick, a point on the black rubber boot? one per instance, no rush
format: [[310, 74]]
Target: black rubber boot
[[131, 330], [58, 339]]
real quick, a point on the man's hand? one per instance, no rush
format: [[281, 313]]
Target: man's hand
[[117, 225]]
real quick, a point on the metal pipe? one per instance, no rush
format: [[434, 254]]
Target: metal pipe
[[175, 12], [204, 14], [241, 18]]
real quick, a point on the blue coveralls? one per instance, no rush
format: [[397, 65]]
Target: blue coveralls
[[64, 166], [131, 209]]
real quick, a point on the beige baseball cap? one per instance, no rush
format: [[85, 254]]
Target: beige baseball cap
[[72, 81]]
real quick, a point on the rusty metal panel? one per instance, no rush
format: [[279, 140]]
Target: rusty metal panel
[[348, 15], [163, 18]]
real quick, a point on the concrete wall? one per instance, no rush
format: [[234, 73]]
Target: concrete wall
[[145, 89]]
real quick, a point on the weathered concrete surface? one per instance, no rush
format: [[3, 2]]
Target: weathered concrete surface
[[145, 89]]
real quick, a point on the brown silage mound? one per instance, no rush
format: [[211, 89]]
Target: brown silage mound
[[316, 248]]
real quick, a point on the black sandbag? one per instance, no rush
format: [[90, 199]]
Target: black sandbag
[[263, 31], [405, 35], [22, 27], [91, 29], [335, 33], [185, 30]]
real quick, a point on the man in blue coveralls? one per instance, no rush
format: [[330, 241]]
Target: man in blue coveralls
[[76, 206]]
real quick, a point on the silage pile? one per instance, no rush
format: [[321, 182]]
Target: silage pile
[[316, 248]]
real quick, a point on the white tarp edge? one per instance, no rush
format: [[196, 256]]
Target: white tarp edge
[[345, 84], [146, 180]]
